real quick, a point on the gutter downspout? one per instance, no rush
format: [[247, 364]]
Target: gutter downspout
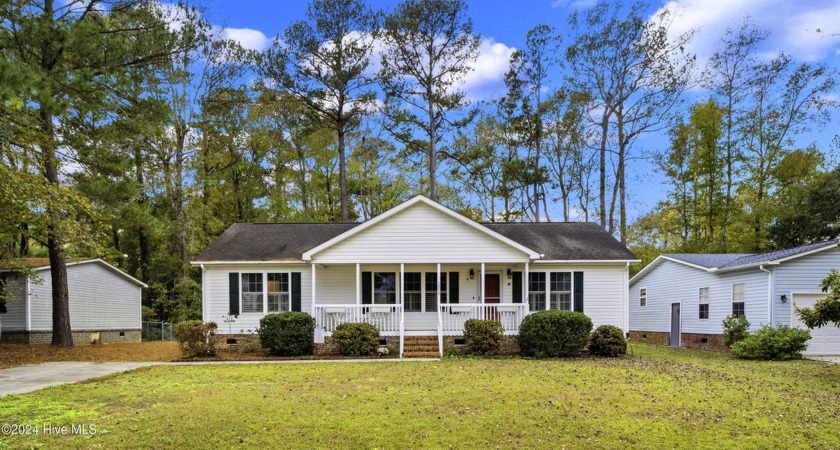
[[627, 299], [28, 304], [203, 293], [769, 294]]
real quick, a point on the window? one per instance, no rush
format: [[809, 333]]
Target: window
[[385, 288], [738, 297], [561, 291], [252, 292], [278, 292], [704, 303], [413, 292], [536, 291], [643, 297], [431, 290]]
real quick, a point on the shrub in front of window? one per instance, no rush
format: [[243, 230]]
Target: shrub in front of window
[[356, 339], [288, 333], [770, 343], [483, 337], [196, 338], [546, 334], [735, 329], [607, 340]]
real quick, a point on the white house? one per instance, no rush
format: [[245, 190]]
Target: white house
[[105, 302], [682, 299], [415, 272]]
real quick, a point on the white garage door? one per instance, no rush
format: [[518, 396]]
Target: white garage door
[[825, 340]]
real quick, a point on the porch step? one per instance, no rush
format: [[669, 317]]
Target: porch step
[[421, 347], [421, 355]]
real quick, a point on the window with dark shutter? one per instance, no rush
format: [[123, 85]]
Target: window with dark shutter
[[578, 282], [296, 297], [233, 293]]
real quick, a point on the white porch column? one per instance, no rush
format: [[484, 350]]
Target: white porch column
[[402, 309], [482, 282], [313, 289], [525, 283], [358, 284], [438, 286], [402, 285]]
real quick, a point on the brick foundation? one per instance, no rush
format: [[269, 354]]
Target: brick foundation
[[712, 341], [80, 337], [650, 337], [687, 340]]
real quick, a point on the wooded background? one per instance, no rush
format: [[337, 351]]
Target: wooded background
[[132, 131]]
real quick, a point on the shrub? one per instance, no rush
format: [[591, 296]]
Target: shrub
[[735, 329], [773, 343], [356, 339], [608, 340], [483, 337], [288, 333], [554, 333], [196, 338]]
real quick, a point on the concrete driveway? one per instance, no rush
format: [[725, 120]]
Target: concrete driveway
[[826, 359], [23, 379]]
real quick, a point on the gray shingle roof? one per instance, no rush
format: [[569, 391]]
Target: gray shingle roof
[[731, 260], [708, 261], [565, 240], [288, 241]]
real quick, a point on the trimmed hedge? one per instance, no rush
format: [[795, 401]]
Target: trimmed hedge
[[484, 337], [769, 343], [554, 333], [356, 339], [608, 340], [196, 338], [288, 333]]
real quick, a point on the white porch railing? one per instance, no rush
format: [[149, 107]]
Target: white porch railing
[[387, 318], [453, 316]]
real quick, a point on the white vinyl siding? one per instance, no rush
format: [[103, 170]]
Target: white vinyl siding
[[662, 291], [802, 274], [420, 234], [100, 299], [14, 319]]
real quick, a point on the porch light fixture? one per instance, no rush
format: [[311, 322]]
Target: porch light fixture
[[509, 273], [784, 298], [472, 274]]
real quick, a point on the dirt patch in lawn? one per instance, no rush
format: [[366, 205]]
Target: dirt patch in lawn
[[12, 355]]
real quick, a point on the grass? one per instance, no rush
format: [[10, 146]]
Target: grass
[[12, 355], [656, 398]]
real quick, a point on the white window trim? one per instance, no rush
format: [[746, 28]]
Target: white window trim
[[700, 302], [640, 297], [265, 291], [571, 290], [548, 291], [732, 297], [397, 287]]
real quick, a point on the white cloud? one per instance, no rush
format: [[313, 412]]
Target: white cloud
[[806, 30], [573, 4], [247, 37], [489, 69]]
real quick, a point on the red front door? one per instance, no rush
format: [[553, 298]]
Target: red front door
[[492, 288]]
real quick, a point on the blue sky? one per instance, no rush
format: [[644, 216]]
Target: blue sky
[[808, 30]]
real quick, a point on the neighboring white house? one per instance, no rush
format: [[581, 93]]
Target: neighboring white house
[[104, 302], [415, 270], [682, 299]]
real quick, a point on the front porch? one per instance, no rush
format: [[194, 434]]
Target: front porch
[[432, 300]]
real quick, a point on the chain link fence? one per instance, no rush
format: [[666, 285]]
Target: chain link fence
[[157, 331]]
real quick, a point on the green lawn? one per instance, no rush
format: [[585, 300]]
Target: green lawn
[[656, 398]]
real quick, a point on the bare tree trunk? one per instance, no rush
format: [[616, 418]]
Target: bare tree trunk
[[603, 171], [62, 334], [23, 246], [342, 174], [432, 151], [142, 240]]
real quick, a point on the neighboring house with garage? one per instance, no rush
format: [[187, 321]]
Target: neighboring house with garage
[[682, 299], [105, 302], [417, 272]]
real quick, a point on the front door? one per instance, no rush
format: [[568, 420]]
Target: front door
[[675, 325], [492, 289]]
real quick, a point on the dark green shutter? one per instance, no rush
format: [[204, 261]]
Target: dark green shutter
[[517, 287], [367, 288], [296, 291], [233, 289], [454, 282], [3, 309], [579, 291]]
